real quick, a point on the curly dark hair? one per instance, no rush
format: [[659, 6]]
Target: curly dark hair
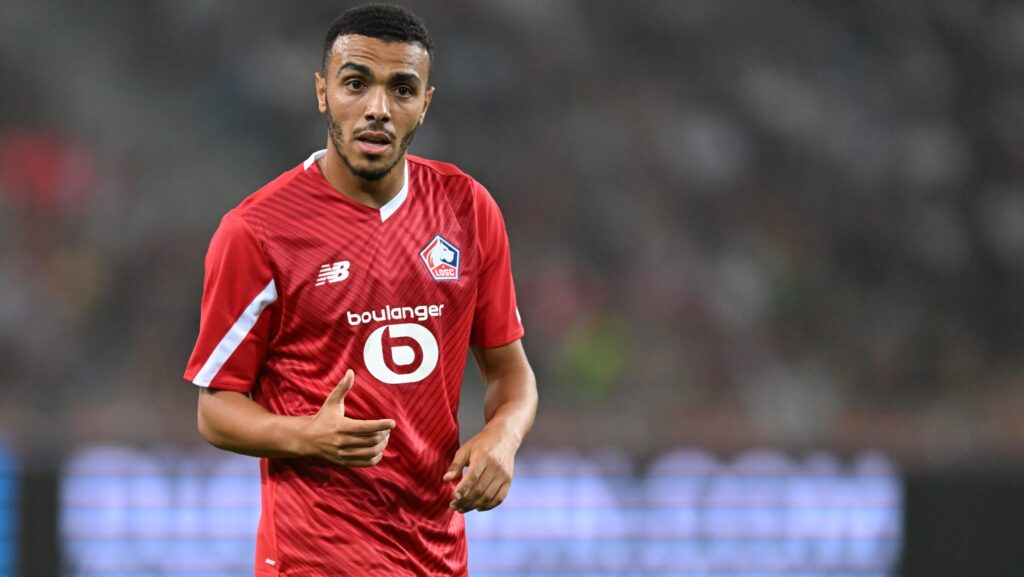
[[384, 21]]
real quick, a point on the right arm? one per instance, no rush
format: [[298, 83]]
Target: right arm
[[239, 301], [232, 421]]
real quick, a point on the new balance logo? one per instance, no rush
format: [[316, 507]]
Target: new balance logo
[[329, 273]]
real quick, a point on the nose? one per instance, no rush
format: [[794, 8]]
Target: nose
[[377, 107]]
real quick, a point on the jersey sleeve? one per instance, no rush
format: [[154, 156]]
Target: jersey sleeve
[[496, 320], [239, 296]]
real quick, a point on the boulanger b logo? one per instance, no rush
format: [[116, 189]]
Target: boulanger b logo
[[441, 258], [402, 353]]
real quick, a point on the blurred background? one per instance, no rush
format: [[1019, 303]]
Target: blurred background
[[769, 255]]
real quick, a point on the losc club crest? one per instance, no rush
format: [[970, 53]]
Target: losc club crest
[[441, 258]]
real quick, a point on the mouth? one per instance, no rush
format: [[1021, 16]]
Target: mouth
[[373, 143]]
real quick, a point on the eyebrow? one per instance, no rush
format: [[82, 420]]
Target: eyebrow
[[406, 78], [364, 70], [396, 78]]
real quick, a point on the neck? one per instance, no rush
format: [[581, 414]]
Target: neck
[[372, 193]]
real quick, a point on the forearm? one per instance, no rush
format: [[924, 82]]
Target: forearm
[[509, 409], [234, 422], [510, 404]]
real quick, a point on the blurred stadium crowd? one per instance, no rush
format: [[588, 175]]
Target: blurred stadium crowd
[[792, 224]]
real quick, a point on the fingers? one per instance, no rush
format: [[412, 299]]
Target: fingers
[[497, 499], [337, 396], [354, 426], [350, 442], [485, 483], [474, 485], [469, 480], [361, 462], [363, 428], [482, 487], [362, 453], [489, 492], [458, 464], [341, 440]]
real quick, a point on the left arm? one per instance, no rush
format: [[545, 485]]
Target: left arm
[[509, 408]]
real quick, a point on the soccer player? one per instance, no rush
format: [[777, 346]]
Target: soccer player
[[339, 302]]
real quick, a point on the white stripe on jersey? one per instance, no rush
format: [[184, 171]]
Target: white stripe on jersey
[[227, 345], [390, 206], [313, 158]]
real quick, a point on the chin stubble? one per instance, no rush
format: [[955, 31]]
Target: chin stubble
[[338, 138]]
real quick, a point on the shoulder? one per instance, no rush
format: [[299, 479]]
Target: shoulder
[[451, 178], [288, 193], [271, 193], [437, 167]]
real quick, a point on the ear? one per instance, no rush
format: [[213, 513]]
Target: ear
[[321, 92], [426, 104]]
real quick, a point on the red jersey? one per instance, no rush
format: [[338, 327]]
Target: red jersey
[[303, 283]]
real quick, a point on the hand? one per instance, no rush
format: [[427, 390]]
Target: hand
[[490, 459], [332, 436]]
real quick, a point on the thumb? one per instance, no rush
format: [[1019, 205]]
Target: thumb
[[337, 396], [458, 463]]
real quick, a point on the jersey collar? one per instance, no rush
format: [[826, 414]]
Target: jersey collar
[[392, 205]]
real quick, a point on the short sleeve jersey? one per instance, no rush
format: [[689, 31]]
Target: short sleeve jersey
[[302, 283]]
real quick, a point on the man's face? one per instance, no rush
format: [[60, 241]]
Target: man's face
[[374, 95]]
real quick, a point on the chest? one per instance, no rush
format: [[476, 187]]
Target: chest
[[344, 270]]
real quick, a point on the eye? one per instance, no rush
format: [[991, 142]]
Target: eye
[[404, 91], [355, 84]]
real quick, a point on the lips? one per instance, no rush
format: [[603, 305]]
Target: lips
[[373, 142]]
